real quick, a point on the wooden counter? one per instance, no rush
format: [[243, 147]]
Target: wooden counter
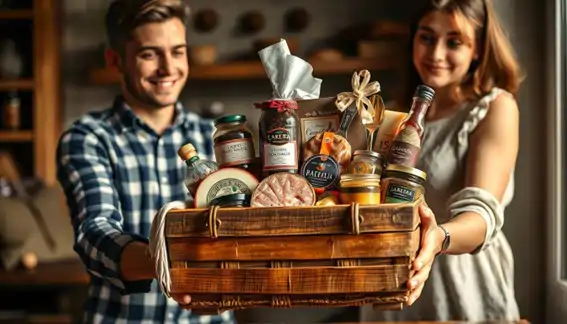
[[57, 273]]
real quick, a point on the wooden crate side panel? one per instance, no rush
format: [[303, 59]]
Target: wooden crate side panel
[[262, 222], [319, 247], [285, 281], [215, 304]]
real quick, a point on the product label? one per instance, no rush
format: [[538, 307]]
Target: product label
[[234, 152], [278, 136], [396, 193], [227, 186], [280, 156], [321, 171], [279, 150], [384, 143], [403, 153]]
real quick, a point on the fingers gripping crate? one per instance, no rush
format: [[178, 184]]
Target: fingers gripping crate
[[235, 258]]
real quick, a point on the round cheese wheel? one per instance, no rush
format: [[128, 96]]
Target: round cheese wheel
[[226, 181]]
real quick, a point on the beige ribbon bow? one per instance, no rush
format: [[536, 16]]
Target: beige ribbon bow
[[361, 90]]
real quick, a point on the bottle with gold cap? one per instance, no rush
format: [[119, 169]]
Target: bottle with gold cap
[[197, 168]]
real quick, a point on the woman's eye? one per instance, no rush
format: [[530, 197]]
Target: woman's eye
[[454, 43], [426, 38]]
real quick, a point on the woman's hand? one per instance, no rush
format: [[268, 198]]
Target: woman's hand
[[432, 237]]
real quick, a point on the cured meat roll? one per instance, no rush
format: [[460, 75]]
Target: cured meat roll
[[283, 189]]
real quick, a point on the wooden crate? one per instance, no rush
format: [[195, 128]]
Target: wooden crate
[[344, 255]]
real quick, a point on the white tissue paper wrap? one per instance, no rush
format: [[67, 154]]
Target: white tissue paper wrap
[[482, 202], [291, 77]]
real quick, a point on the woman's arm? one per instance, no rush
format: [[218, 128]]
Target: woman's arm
[[493, 150]]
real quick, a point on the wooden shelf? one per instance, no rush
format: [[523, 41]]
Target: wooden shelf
[[23, 84], [22, 318], [7, 14], [16, 136], [57, 273], [255, 70]]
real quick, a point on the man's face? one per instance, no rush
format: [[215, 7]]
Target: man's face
[[155, 64]]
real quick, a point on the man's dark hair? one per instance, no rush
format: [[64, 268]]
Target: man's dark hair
[[123, 16]]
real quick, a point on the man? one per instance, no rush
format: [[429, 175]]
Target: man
[[119, 166]]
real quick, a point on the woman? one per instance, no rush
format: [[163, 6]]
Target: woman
[[469, 152]]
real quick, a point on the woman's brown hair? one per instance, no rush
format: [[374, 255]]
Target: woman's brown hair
[[496, 66]]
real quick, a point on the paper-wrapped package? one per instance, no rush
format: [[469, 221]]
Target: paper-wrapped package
[[279, 127]]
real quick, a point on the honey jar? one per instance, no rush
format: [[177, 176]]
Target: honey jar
[[365, 162], [402, 184], [361, 188]]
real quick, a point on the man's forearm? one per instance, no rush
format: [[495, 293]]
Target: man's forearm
[[467, 231], [135, 263]]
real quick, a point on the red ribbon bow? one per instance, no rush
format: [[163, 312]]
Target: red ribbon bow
[[280, 105]]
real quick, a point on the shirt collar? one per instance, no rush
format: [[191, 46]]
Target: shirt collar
[[126, 119]]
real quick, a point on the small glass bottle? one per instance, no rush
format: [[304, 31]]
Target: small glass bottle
[[234, 143], [11, 113], [407, 143], [197, 168]]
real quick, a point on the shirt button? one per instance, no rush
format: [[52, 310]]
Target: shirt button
[[170, 315]]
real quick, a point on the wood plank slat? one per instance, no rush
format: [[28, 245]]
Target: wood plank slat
[[321, 247], [277, 221], [283, 281]]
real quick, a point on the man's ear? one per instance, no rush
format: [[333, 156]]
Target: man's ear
[[113, 59]]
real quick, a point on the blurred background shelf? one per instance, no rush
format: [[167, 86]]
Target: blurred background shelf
[[15, 136], [16, 14], [254, 70]]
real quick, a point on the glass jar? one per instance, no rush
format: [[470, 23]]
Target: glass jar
[[402, 184], [365, 162], [234, 143], [279, 137], [232, 201], [361, 188]]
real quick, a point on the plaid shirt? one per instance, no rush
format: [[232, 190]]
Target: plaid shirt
[[116, 173]]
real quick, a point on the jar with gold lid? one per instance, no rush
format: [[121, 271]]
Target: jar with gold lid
[[402, 184], [361, 188], [365, 162]]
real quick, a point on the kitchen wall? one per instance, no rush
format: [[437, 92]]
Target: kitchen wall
[[523, 19]]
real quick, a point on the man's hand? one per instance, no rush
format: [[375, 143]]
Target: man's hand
[[181, 299]]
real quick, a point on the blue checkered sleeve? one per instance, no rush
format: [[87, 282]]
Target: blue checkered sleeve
[[85, 173]]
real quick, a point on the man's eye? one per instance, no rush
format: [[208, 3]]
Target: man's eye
[[147, 55]]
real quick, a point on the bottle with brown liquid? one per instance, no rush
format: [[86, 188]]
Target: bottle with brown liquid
[[407, 143], [197, 168]]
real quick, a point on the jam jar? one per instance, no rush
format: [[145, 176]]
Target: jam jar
[[361, 188], [365, 162], [279, 137], [402, 184], [234, 143]]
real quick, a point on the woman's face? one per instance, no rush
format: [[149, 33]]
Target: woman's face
[[442, 53]]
